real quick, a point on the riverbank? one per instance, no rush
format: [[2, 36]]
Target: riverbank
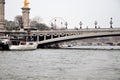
[[95, 47]]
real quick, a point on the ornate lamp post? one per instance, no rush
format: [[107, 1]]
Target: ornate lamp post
[[111, 22], [95, 24], [61, 24], [52, 25], [80, 24], [55, 23], [66, 24]]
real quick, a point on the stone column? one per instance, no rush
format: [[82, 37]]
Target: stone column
[[2, 14], [25, 17]]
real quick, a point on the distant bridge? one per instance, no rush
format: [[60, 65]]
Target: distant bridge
[[53, 36]]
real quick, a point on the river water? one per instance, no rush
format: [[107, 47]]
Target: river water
[[60, 64]]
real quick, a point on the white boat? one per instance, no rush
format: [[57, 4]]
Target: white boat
[[23, 45]]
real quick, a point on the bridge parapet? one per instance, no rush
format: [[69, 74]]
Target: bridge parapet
[[68, 30], [52, 34], [83, 36], [75, 32]]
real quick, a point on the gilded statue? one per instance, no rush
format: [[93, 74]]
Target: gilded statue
[[26, 3]]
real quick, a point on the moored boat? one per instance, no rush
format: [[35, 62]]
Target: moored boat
[[23, 45]]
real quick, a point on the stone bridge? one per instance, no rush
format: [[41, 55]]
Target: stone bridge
[[63, 35], [53, 36]]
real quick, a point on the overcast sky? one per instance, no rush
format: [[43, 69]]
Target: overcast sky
[[72, 11]]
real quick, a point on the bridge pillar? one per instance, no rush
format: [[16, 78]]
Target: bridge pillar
[[2, 15], [65, 34], [59, 35], [37, 38], [25, 17], [44, 36], [52, 36]]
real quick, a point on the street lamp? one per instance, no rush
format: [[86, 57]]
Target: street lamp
[[61, 24], [55, 23], [111, 22], [66, 24], [52, 25], [80, 24], [95, 24]]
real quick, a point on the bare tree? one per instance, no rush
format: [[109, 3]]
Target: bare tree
[[36, 24], [37, 19], [33, 24], [18, 21], [10, 25], [42, 26]]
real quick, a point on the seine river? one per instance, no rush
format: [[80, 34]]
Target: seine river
[[60, 64]]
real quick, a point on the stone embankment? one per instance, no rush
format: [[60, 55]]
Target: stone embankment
[[96, 47]]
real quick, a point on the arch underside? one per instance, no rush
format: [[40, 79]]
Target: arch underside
[[77, 37]]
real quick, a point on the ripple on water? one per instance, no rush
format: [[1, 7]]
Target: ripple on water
[[60, 64]]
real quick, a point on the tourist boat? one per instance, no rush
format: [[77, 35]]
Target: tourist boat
[[23, 45], [23, 42]]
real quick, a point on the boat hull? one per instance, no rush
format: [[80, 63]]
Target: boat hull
[[23, 47]]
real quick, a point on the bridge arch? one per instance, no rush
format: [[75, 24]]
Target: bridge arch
[[76, 37]]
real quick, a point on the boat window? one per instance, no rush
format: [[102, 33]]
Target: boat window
[[23, 43], [15, 42], [30, 43]]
